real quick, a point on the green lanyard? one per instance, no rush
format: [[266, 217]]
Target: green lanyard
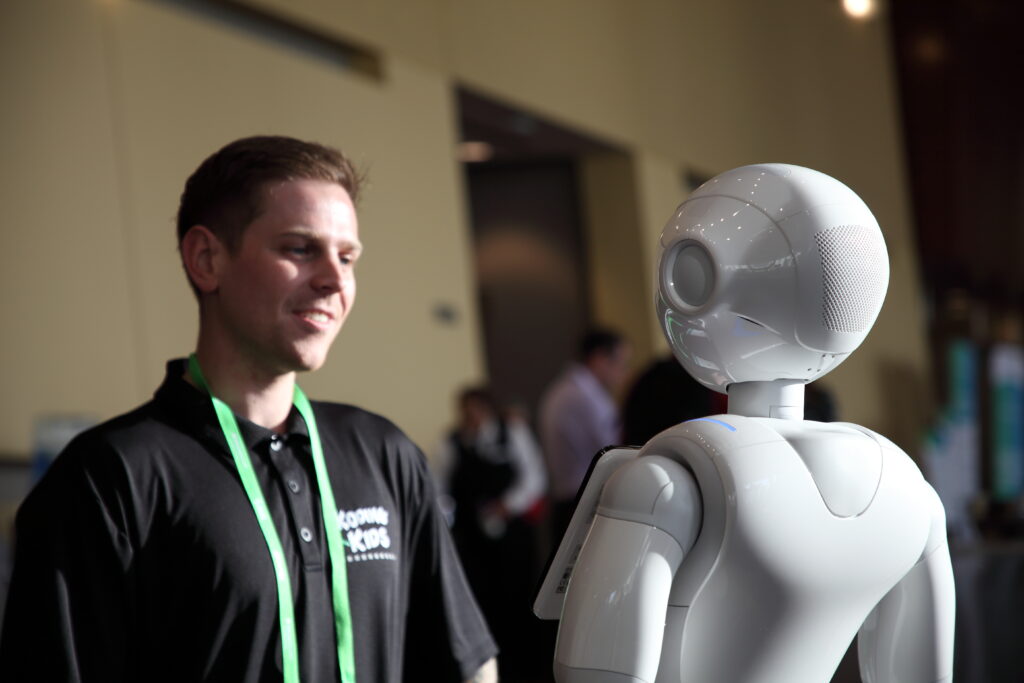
[[335, 547]]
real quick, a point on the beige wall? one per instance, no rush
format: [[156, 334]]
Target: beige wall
[[110, 103], [95, 301], [68, 339], [617, 265]]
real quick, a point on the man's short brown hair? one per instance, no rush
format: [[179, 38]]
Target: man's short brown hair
[[225, 192]]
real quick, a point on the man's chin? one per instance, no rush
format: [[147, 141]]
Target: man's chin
[[309, 362], [300, 365], [302, 357]]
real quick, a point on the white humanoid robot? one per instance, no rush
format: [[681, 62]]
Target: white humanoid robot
[[753, 546]]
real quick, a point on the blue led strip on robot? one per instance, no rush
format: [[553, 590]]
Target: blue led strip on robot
[[717, 422], [335, 547]]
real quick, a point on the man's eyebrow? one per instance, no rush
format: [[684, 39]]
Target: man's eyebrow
[[309, 233], [299, 231]]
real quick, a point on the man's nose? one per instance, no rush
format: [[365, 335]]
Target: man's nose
[[330, 273]]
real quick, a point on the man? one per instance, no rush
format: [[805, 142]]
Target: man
[[227, 530], [578, 417]]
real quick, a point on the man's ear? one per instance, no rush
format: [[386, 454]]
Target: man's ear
[[202, 254]]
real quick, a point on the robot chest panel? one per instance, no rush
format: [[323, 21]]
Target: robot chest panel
[[808, 505], [782, 522]]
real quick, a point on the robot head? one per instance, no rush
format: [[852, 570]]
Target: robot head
[[769, 272]]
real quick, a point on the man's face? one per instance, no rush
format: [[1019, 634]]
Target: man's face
[[283, 296], [612, 368], [474, 413]]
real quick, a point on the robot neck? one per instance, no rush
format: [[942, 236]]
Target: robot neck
[[780, 398]]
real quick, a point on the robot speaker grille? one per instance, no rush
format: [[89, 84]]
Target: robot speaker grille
[[854, 265]]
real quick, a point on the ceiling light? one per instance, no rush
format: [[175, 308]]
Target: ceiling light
[[860, 9]]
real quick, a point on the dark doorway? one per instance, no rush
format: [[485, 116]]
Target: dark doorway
[[529, 250], [526, 182], [529, 241]]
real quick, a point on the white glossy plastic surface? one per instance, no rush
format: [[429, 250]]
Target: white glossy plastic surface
[[781, 398], [845, 466], [657, 492], [909, 635], [617, 599], [788, 565], [791, 274], [551, 596]]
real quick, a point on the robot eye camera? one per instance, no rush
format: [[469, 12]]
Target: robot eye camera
[[769, 272]]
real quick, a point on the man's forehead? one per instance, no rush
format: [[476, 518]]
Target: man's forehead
[[297, 188], [296, 198]]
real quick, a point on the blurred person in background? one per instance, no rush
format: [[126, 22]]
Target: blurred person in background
[[493, 482], [579, 417], [662, 396]]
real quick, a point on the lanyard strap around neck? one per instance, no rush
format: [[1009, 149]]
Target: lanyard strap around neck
[[335, 547]]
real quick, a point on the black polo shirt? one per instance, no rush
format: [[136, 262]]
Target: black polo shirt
[[139, 558]]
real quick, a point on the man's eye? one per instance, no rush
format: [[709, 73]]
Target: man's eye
[[299, 250]]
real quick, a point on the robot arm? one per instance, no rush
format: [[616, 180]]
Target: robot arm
[[614, 615], [909, 635]]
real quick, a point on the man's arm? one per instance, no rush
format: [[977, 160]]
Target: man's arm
[[530, 479], [445, 632], [488, 673], [67, 615]]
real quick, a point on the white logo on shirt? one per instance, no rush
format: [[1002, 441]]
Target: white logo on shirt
[[366, 534]]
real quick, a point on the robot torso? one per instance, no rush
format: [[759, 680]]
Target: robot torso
[[806, 527]]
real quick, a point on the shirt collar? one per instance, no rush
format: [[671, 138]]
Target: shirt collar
[[191, 410]]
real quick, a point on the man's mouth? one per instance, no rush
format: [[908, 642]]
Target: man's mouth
[[316, 316]]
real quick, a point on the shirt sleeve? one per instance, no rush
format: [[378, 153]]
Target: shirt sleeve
[[578, 431], [530, 477], [442, 465], [445, 633], [67, 614]]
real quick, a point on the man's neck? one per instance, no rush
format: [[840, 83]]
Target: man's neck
[[260, 397]]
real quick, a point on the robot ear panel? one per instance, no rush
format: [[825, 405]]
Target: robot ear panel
[[855, 275], [688, 275]]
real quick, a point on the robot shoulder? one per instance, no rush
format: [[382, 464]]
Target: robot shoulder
[[657, 491]]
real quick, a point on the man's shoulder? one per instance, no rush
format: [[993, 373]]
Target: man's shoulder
[[344, 415], [345, 420], [100, 460], [136, 430], [571, 390], [362, 436], [132, 427]]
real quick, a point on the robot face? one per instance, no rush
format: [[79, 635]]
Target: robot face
[[769, 272]]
